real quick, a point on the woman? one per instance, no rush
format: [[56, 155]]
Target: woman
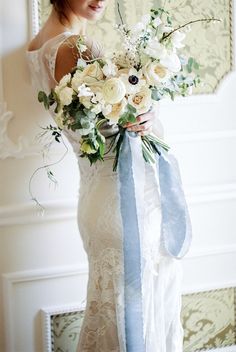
[[51, 55]]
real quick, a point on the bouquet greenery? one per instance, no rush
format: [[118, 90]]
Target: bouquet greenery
[[117, 88]]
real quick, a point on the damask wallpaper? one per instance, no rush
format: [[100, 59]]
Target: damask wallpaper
[[208, 319], [210, 44]]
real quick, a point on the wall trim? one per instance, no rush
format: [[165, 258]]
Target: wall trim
[[46, 319], [34, 18], [19, 277], [14, 278], [66, 209], [20, 149]]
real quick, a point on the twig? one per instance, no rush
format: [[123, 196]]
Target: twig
[[186, 24], [118, 6]]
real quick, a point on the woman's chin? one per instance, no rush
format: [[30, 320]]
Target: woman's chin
[[94, 14]]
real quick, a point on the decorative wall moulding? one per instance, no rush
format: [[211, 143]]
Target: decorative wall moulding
[[211, 45], [49, 317], [211, 301], [20, 149], [65, 210], [9, 280]]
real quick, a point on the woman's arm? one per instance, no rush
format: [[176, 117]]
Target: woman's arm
[[68, 55]]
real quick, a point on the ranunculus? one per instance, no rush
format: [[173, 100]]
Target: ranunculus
[[172, 62], [113, 90], [65, 95], [141, 100], [117, 110], [92, 73], [155, 73]]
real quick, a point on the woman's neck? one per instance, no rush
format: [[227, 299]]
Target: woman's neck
[[73, 23]]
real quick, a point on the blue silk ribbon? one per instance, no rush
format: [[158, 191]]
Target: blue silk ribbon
[[175, 226], [131, 249]]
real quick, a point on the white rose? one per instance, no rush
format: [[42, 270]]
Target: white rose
[[113, 90], [155, 73], [155, 49], [117, 110], [92, 73], [172, 62], [142, 100], [65, 95]]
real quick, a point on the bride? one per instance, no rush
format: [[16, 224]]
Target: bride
[[51, 55]]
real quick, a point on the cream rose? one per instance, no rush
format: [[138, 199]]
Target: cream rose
[[141, 100], [65, 95], [155, 72], [117, 110], [92, 73], [77, 80], [113, 90]]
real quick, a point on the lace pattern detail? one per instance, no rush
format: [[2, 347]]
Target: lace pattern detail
[[104, 306]]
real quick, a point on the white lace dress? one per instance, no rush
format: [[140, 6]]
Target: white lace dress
[[99, 223]]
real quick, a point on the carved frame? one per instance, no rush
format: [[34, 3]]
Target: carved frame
[[47, 322]]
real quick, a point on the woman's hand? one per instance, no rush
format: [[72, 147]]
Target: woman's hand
[[143, 124]]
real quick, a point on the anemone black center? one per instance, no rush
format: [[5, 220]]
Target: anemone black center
[[133, 79]]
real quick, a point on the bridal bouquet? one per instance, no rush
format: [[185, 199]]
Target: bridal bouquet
[[118, 87]]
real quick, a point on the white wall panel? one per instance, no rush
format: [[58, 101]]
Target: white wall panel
[[42, 260]]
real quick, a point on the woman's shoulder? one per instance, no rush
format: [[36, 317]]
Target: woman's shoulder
[[69, 52], [41, 39]]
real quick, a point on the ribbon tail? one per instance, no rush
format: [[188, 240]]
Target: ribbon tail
[[176, 229], [129, 170]]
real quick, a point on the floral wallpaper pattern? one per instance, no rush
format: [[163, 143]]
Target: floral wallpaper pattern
[[208, 319], [210, 44]]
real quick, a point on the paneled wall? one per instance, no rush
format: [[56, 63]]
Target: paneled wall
[[42, 260]]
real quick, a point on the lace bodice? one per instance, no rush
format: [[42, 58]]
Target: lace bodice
[[42, 61], [42, 64]]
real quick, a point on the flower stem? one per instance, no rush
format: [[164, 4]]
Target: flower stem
[[165, 36]]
